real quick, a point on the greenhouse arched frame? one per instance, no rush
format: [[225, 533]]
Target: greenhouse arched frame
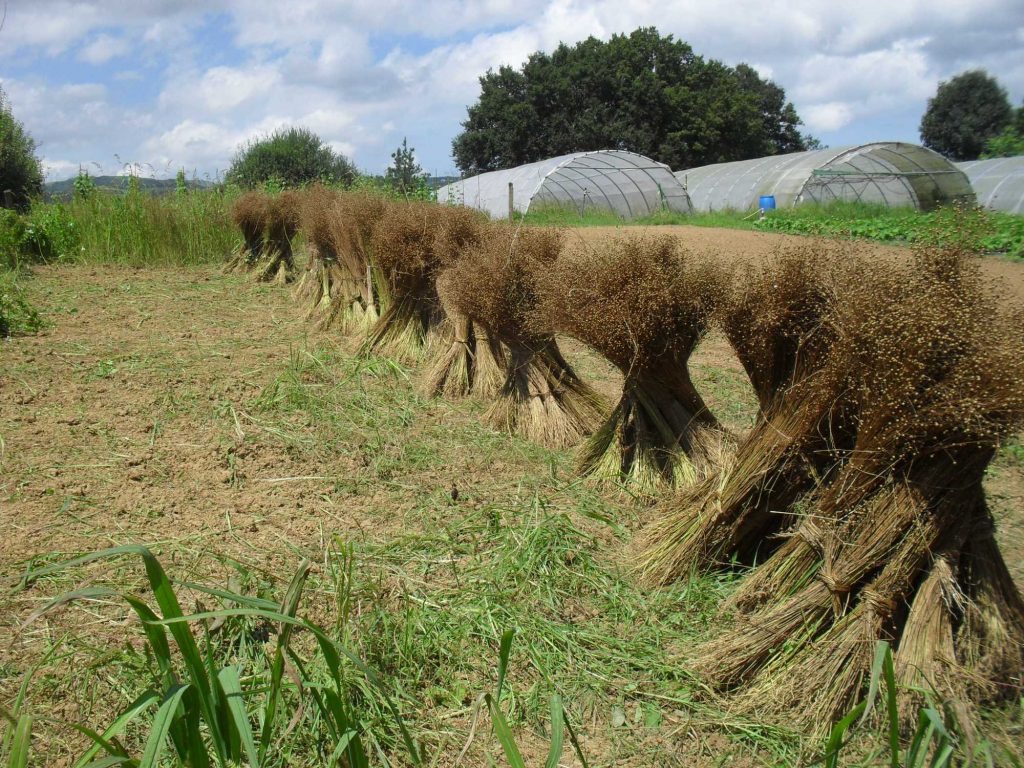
[[894, 174], [625, 183], [998, 182]]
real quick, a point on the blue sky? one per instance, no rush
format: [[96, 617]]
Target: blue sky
[[168, 84]]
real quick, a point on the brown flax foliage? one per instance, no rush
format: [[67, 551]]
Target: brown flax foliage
[[356, 306], [278, 263], [405, 259], [460, 363]]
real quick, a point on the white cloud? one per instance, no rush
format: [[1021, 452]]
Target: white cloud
[[58, 169], [104, 48], [830, 116]]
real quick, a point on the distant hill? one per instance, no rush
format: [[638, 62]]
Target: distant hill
[[65, 188]]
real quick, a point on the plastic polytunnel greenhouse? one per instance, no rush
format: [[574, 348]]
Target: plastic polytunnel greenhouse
[[998, 183], [887, 173], [625, 183]]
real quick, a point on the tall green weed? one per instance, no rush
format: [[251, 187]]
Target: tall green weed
[[139, 229]]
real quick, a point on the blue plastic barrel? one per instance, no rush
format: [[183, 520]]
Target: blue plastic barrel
[[767, 203]]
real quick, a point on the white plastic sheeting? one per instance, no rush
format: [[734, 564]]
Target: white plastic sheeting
[[626, 183], [889, 173], [998, 183]]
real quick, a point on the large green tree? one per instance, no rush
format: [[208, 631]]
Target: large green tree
[[290, 157], [964, 114], [643, 92], [20, 169]]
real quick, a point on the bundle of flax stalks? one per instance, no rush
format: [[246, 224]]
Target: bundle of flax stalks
[[493, 284], [277, 263], [323, 276], [774, 319], [464, 361], [644, 304], [249, 213], [357, 303], [896, 541], [405, 261]]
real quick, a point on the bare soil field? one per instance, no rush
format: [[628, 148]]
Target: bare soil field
[[197, 413]]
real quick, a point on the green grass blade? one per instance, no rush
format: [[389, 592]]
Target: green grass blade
[[881, 647], [156, 635], [891, 705], [557, 732], [504, 734], [232, 686], [505, 650], [943, 756], [224, 594], [102, 741], [289, 606], [161, 727], [21, 744], [835, 739], [573, 740], [88, 593], [917, 753], [339, 750]]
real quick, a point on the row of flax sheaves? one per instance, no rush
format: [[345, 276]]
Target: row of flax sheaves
[[854, 505]]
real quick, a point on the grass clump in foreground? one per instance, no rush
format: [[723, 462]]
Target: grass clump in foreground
[[218, 703]]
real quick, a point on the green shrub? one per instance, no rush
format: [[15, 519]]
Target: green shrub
[[291, 157], [20, 170], [17, 315], [12, 236], [979, 229], [51, 234]]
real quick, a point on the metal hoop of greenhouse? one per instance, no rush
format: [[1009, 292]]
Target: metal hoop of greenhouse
[[628, 184], [893, 174], [998, 183]]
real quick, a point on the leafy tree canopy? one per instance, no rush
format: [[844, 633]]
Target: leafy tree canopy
[[641, 92], [290, 157], [1010, 142], [404, 175], [965, 113], [20, 169]]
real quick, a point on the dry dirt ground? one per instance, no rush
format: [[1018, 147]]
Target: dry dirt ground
[[184, 409]]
